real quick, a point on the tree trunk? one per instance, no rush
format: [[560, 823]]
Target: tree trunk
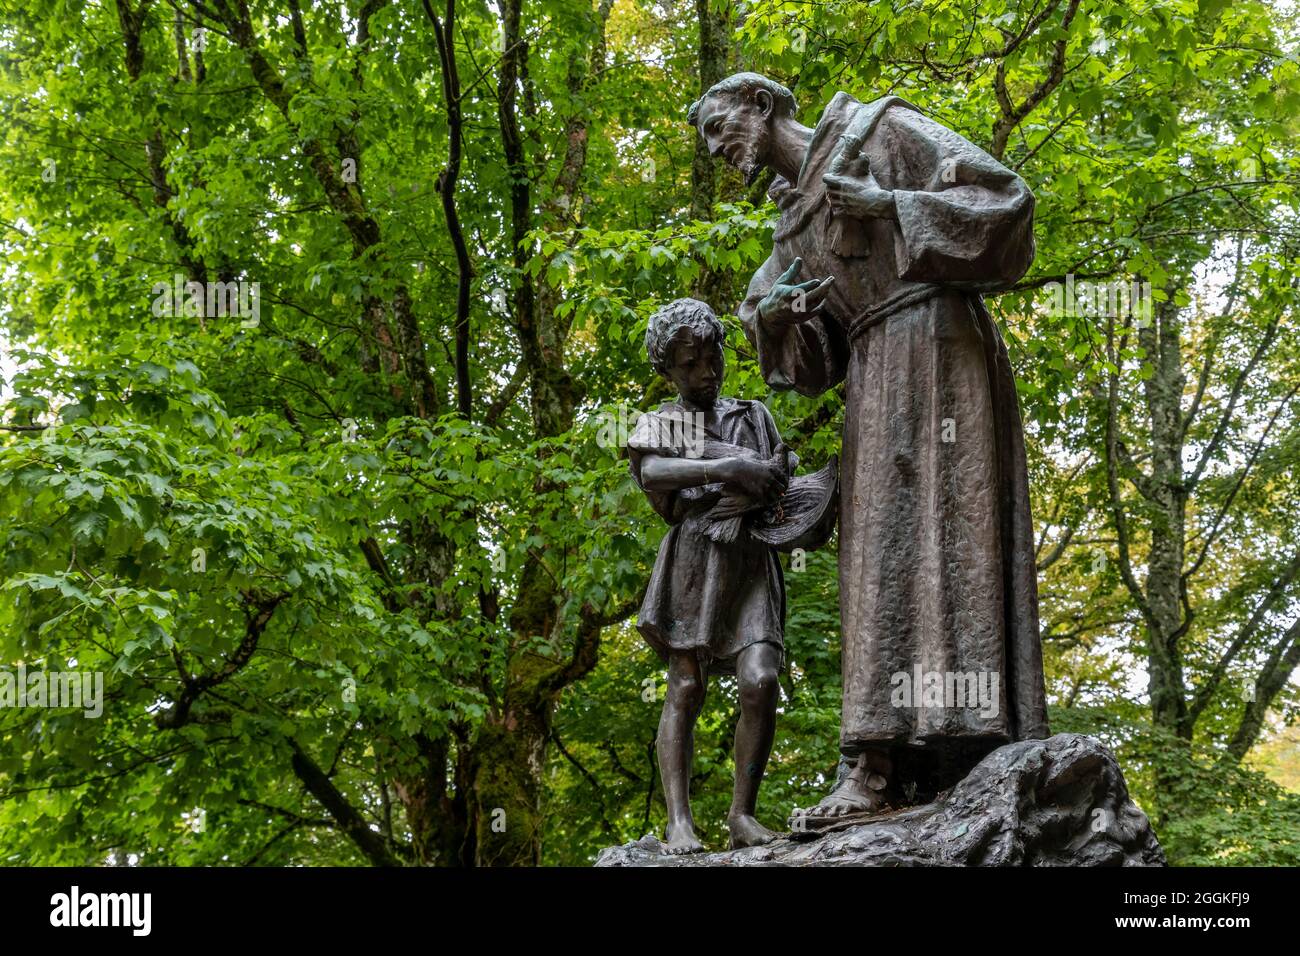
[[711, 181], [1163, 393]]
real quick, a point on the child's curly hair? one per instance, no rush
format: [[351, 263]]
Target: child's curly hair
[[669, 322]]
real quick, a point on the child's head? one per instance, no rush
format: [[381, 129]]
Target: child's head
[[684, 341]]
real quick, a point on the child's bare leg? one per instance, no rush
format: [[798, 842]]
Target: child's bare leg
[[756, 673], [676, 745]]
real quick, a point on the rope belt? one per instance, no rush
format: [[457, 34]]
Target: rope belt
[[907, 296]]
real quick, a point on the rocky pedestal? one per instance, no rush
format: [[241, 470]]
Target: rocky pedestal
[[1055, 802]]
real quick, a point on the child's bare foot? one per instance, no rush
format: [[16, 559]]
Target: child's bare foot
[[746, 831], [680, 839]]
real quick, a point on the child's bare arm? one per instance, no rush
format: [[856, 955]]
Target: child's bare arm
[[762, 479]]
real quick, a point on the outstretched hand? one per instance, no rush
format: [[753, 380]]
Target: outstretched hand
[[789, 302]]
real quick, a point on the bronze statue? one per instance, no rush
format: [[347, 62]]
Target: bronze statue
[[715, 469], [891, 226]]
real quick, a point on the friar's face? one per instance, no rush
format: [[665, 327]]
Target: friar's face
[[738, 128]]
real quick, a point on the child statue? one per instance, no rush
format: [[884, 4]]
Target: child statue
[[715, 469]]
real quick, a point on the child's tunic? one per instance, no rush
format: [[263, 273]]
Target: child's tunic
[[704, 597]]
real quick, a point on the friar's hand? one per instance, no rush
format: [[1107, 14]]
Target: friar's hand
[[858, 197], [789, 302]]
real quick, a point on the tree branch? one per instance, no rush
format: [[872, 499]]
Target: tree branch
[[1234, 396], [1112, 485], [1205, 692], [349, 821], [193, 687], [1012, 115], [444, 34], [1241, 480], [1284, 659]]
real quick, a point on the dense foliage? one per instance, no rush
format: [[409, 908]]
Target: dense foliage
[[359, 561]]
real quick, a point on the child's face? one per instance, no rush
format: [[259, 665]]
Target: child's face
[[696, 370]]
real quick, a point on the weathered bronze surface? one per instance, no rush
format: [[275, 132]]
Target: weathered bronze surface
[[715, 469], [891, 226]]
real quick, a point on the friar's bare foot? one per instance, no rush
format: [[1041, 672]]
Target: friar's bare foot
[[746, 831], [841, 802], [858, 793], [679, 839]]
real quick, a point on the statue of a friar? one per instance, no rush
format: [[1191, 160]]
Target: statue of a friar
[[891, 227]]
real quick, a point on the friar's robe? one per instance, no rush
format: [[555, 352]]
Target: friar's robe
[[937, 571]]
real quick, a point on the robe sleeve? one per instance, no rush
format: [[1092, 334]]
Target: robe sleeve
[[964, 219], [811, 357]]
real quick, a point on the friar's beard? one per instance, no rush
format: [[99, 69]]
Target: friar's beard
[[750, 161]]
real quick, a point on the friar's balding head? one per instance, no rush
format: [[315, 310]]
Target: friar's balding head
[[735, 117]]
